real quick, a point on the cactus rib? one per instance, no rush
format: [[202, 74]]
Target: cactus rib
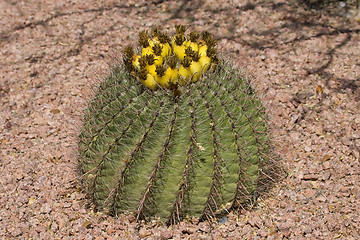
[[99, 174], [214, 195], [175, 211]]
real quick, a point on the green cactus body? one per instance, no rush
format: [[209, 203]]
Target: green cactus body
[[157, 155]]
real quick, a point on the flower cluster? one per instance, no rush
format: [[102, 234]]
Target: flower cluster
[[169, 62]]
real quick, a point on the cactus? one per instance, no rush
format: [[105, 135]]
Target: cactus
[[198, 150]]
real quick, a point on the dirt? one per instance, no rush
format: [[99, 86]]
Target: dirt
[[304, 64]]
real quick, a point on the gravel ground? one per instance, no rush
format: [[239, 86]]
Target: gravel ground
[[304, 63]]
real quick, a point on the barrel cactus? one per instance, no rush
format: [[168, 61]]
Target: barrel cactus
[[164, 143]]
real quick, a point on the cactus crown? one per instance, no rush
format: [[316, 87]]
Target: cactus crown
[[163, 52]]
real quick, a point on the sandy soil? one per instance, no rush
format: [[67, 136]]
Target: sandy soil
[[304, 63]]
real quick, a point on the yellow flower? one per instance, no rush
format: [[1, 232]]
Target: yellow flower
[[158, 52], [196, 70], [150, 64], [160, 76], [206, 56], [144, 42], [166, 50], [147, 79], [184, 71], [164, 41], [179, 47], [135, 61], [202, 48], [205, 63], [193, 42], [171, 74]]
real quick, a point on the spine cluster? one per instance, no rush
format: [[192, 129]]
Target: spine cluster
[[171, 62]]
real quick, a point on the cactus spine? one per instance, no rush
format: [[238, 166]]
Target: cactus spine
[[160, 154]]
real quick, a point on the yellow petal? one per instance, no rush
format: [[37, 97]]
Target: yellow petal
[[196, 70], [205, 63], [146, 51], [162, 81], [158, 60], [184, 75], [135, 62], [202, 50], [166, 50], [179, 51], [150, 82], [194, 46], [171, 74], [151, 69]]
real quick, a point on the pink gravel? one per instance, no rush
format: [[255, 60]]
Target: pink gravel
[[304, 64]]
